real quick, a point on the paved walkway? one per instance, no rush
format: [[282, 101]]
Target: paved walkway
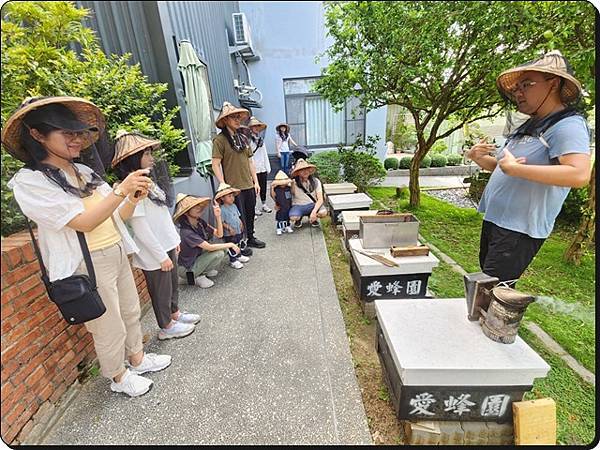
[[445, 181], [268, 364]]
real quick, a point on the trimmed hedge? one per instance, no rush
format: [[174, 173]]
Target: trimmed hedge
[[438, 161], [425, 162], [454, 160], [405, 162], [391, 163]]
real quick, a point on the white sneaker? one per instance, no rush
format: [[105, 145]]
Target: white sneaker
[[279, 231], [236, 264], [243, 259], [212, 273], [288, 229], [266, 209], [151, 363], [258, 212], [186, 317], [132, 384], [204, 282], [177, 330]]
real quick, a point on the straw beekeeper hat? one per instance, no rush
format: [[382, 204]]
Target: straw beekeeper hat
[[225, 189], [185, 202], [552, 63], [281, 179], [283, 124], [88, 117], [128, 143], [228, 109], [301, 164], [255, 122]]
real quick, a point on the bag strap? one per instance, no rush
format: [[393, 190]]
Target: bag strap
[[84, 249], [306, 192]]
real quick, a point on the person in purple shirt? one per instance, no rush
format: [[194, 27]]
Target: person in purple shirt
[[198, 258]]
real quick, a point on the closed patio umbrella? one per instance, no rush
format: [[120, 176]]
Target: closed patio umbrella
[[198, 107]]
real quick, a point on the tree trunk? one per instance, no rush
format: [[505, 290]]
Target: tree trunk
[[413, 184], [587, 227]]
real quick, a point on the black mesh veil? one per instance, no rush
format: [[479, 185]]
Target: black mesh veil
[[99, 155]]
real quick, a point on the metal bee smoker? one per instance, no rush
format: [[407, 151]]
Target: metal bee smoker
[[498, 309]]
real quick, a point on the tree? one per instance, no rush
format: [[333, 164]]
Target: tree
[[439, 60], [38, 60]]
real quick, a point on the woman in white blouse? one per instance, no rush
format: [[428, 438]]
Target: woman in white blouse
[[155, 234], [261, 160], [282, 145], [64, 197]]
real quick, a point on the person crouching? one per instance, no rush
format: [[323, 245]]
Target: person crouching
[[233, 227], [281, 192], [199, 258]]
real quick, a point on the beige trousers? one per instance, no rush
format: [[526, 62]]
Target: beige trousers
[[118, 332]]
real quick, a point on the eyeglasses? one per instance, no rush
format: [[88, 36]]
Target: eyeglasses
[[525, 85], [70, 136], [237, 116]]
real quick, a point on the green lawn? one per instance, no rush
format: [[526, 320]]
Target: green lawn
[[455, 231]]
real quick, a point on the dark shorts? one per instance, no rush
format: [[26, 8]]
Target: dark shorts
[[505, 253]]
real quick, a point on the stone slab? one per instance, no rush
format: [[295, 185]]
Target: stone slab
[[339, 188], [351, 218], [350, 201], [432, 343], [445, 403], [406, 264]]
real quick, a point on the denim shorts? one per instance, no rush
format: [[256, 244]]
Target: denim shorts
[[304, 210]]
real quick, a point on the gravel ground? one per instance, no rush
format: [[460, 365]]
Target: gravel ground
[[457, 197]]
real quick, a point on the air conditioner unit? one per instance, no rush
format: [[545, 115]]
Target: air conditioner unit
[[241, 29]]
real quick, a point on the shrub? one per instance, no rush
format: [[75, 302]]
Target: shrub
[[425, 162], [572, 208], [391, 163], [478, 184], [329, 166], [37, 59], [438, 147], [439, 161], [454, 160], [360, 165], [405, 162]]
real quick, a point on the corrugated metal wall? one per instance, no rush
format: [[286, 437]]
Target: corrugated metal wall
[[204, 25], [123, 27]]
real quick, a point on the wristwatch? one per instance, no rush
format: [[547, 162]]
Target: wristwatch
[[119, 193]]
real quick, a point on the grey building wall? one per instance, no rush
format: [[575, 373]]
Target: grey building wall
[[288, 36]]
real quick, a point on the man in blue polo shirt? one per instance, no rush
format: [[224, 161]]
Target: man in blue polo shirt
[[534, 171]]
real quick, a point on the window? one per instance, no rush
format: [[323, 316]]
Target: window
[[313, 121]]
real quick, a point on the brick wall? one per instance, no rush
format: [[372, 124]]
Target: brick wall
[[41, 355]]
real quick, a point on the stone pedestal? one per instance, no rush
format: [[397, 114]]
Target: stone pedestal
[[375, 281], [439, 366], [345, 202]]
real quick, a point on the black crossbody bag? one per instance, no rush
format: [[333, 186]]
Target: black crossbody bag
[[76, 296]]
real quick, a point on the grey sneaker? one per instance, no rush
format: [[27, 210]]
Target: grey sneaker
[[151, 363], [177, 330], [186, 317], [212, 273], [132, 384]]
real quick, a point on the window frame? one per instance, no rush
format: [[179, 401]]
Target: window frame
[[345, 143]]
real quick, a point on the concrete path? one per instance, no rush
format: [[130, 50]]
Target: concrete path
[[268, 364], [446, 181]]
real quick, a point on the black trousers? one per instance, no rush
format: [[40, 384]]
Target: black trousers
[[505, 254], [246, 203], [164, 291], [262, 182], [283, 198]]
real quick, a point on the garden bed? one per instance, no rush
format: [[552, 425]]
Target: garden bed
[[465, 170]]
